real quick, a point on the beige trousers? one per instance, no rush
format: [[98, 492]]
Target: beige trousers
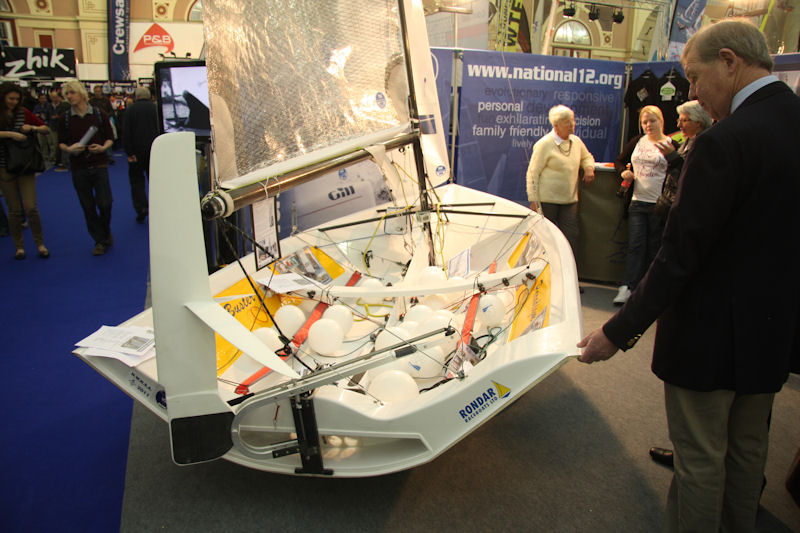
[[720, 440], [15, 187]]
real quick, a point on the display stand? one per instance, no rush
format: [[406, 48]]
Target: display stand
[[603, 229]]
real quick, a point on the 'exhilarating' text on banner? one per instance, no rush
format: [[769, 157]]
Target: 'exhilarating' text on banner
[[505, 99]]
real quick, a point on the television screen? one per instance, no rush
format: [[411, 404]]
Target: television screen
[[182, 97]]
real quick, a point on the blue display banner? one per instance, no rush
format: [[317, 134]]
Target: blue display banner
[[687, 20], [119, 29], [443, 71], [505, 99]]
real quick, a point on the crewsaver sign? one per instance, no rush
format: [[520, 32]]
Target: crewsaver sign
[[119, 21]]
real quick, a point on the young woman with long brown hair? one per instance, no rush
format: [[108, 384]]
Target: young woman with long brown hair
[[16, 123]]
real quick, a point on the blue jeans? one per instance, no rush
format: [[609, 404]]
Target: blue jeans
[[94, 194], [644, 239]]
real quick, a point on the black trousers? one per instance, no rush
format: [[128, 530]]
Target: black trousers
[[137, 172], [94, 194]]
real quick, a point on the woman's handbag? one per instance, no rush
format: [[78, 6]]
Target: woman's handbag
[[24, 157]]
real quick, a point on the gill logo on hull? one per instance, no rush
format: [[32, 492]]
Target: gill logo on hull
[[341, 192], [483, 401]]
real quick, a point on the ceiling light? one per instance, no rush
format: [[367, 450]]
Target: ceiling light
[[618, 17], [594, 13], [569, 11]]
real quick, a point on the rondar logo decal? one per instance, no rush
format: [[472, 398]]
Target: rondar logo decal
[[156, 36], [483, 401]]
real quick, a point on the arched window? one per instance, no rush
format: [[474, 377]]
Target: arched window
[[572, 39], [572, 32], [196, 12]]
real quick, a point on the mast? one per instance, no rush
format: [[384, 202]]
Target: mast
[[413, 111]]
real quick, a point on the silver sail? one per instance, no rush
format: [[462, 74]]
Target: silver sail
[[295, 82]]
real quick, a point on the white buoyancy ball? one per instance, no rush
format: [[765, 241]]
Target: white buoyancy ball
[[419, 313], [269, 337], [393, 386], [371, 283], [426, 362], [390, 336], [411, 327], [491, 310], [438, 320], [341, 314], [289, 319], [325, 336], [436, 301], [431, 275]]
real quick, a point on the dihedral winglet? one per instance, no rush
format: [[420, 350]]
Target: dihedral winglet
[[234, 332]]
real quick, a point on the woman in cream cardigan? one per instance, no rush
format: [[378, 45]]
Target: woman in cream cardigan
[[552, 177]]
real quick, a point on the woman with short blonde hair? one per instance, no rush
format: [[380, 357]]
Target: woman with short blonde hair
[[643, 169]]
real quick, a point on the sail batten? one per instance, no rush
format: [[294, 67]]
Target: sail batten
[[313, 158]]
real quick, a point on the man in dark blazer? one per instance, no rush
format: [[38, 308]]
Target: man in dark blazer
[[723, 285], [140, 128]]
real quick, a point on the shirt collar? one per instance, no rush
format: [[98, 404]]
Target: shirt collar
[[556, 138], [74, 112], [749, 89]]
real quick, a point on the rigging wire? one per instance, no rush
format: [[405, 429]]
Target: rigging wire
[[249, 279]]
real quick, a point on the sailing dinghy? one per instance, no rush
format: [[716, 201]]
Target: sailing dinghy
[[375, 341]]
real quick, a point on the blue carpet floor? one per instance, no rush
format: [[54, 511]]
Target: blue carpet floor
[[65, 440]]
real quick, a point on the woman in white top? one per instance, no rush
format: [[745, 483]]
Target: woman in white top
[[649, 169], [552, 177]]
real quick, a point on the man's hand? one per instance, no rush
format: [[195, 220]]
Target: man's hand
[[596, 347], [96, 148], [76, 149], [132, 159]]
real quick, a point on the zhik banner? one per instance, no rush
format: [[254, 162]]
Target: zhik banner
[[505, 99], [38, 63]]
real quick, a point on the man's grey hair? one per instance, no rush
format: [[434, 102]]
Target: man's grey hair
[[559, 113], [695, 112], [141, 93], [738, 34]]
